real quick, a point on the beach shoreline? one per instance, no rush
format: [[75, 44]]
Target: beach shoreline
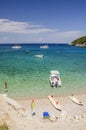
[[27, 98]]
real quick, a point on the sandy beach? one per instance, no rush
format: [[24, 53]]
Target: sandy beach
[[72, 116]]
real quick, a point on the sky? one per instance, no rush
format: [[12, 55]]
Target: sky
[[42, 21]]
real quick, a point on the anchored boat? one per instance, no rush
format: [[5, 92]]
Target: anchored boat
[[16, 46], [55, 80]]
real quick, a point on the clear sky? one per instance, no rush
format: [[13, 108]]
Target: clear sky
[[46, 21]]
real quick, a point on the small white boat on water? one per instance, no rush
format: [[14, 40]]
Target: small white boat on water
[[55, 102], [55, 80], [16, 46], [44, 46], [39, 56]]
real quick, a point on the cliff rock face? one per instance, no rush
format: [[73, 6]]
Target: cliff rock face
[[79, 42]]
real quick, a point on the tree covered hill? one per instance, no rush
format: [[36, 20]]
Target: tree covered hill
[[79, 42]]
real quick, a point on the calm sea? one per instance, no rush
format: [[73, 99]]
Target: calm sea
[[28, 76]]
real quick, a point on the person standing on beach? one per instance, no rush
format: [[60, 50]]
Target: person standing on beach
[[6, 87], [32, 107]]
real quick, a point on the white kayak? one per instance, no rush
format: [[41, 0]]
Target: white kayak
[[55, 103], [75, 100]]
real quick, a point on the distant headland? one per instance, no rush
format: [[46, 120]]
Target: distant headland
[[79, 42]]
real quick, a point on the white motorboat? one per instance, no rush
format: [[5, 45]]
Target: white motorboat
[[44, 46], [55, 80], [39, 56], [16, 47]]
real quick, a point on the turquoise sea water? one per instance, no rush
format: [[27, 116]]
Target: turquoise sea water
[[28, 76]]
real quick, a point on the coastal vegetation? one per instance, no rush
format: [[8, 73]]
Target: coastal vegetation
[[79, 42], [4, 127]]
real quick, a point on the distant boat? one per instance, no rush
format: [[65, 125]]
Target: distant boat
[[27, 51], [16, 46], [39, 56], [44, 46]]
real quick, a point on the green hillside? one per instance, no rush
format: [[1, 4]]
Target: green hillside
[[79, 42]]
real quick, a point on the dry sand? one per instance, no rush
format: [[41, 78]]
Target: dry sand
[[72, 116]]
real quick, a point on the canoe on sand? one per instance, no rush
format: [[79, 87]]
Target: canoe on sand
[[55, 103], [75, 100]]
